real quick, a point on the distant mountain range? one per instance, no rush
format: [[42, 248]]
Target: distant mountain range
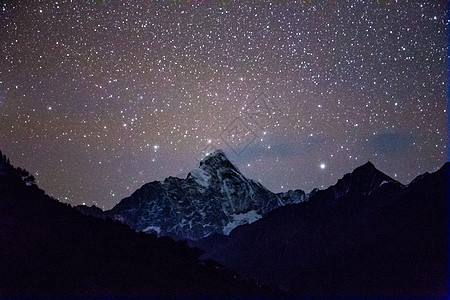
[[366, 236], [214, 198]]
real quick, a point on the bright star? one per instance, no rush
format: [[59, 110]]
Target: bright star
[[322, 166]]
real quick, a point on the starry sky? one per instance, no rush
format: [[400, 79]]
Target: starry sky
[[100, 97]]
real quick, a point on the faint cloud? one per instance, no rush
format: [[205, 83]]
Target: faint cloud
[[390, 143]]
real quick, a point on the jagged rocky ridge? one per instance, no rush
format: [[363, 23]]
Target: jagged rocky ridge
[[214, 198]]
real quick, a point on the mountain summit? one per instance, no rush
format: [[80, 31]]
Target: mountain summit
[[213, 198], [361, 182], [217, 159], [212, 167]]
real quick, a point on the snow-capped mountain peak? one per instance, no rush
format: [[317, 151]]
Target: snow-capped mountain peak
[[212, 168], [214, 198], [217, 160]]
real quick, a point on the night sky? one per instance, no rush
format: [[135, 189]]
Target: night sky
[[98, 98]]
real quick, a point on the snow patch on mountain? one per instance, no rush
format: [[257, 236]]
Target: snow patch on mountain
[[384, 181], [241, 219], [201, 177], [150, 229]]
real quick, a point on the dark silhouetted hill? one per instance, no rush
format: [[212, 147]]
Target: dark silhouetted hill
[[368, 235]]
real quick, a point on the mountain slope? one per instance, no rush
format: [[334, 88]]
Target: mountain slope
[[48, 249], [214, 198], [368, 235]]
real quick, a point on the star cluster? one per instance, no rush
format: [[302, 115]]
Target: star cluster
[[99, 97]]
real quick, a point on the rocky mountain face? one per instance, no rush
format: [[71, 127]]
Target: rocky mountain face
[[214, 198], [362, 181], [366, 235], [292, 197]]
